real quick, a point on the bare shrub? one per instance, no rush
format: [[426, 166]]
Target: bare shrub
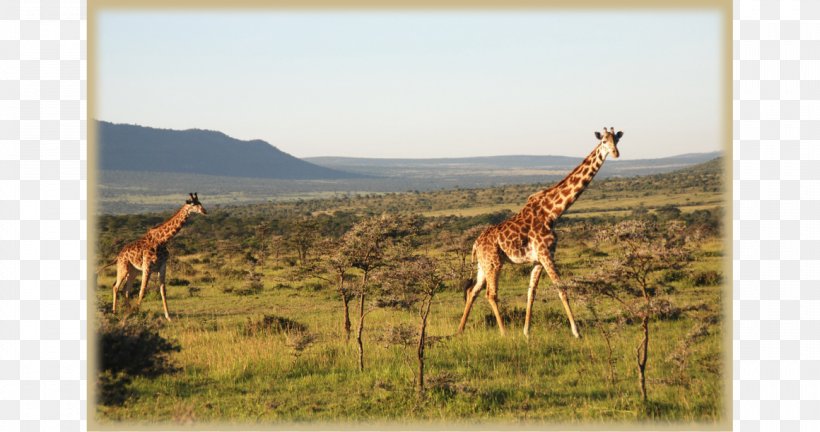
[[298, 340], [644, 251]]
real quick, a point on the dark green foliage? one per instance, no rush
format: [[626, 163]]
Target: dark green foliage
[[708, 221], [178, 282], [112, 389], [129, 348], [207, 278], [707, 278], [272, 324], [134, 346], [668, 212], [314, 286], [673, 275], [252, 287]]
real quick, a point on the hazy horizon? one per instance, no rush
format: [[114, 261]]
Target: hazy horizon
[[420, 85], [423, 157]]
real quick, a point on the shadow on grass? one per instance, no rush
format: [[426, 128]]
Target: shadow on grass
[[128, 348], [659, 410]]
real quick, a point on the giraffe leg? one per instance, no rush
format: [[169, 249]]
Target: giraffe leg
[[162, 291], [129, 283], [534, 277], [471, 295], [492, 297], [548, 264], [146, 274], [122, 274]]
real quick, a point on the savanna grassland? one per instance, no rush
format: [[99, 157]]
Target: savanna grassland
[[257, 332]]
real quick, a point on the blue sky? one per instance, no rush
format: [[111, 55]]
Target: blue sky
[[419, 84]]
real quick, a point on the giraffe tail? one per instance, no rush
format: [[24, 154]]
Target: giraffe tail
[[472, 256], [466, 285], [106, 266], [469, 282]]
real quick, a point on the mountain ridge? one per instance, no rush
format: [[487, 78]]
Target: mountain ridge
[[131, 147]]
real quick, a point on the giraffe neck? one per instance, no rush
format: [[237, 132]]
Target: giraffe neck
[[561, 196], [164, 232]]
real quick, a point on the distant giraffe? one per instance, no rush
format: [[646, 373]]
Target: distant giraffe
[[149, 254], [529, 236]]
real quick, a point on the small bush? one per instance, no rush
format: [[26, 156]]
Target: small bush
[[272, 324], [134, 346], [207, 278], [664, 310], [523, 270], [592, 252], [543, 316], [673, 276], [401, 334], [128, 348], [251, 288], [394, 303], [514, 315], [233, 274], [313, 286], [298, 341], [112, 389], [178, 282], [707, 278], [193, 291], [443, 384]]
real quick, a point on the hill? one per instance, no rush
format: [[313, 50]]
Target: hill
[[125, 147]]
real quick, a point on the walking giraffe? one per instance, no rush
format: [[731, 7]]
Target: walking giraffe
[[529, 236], [149, 254]]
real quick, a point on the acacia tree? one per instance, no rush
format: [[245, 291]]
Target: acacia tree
[[332, 265], [643, 251], [413, 281], [302, 235], [367, 247]]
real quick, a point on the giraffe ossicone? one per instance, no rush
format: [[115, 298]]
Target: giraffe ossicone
[[150, 254], [529, 236]]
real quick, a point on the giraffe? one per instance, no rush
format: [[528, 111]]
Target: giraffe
[[529, 236], [149, 254]]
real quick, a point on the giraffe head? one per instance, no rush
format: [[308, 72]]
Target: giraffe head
[[194, 205], [609, 140]]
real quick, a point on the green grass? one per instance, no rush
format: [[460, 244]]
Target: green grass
[[229, 375]]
